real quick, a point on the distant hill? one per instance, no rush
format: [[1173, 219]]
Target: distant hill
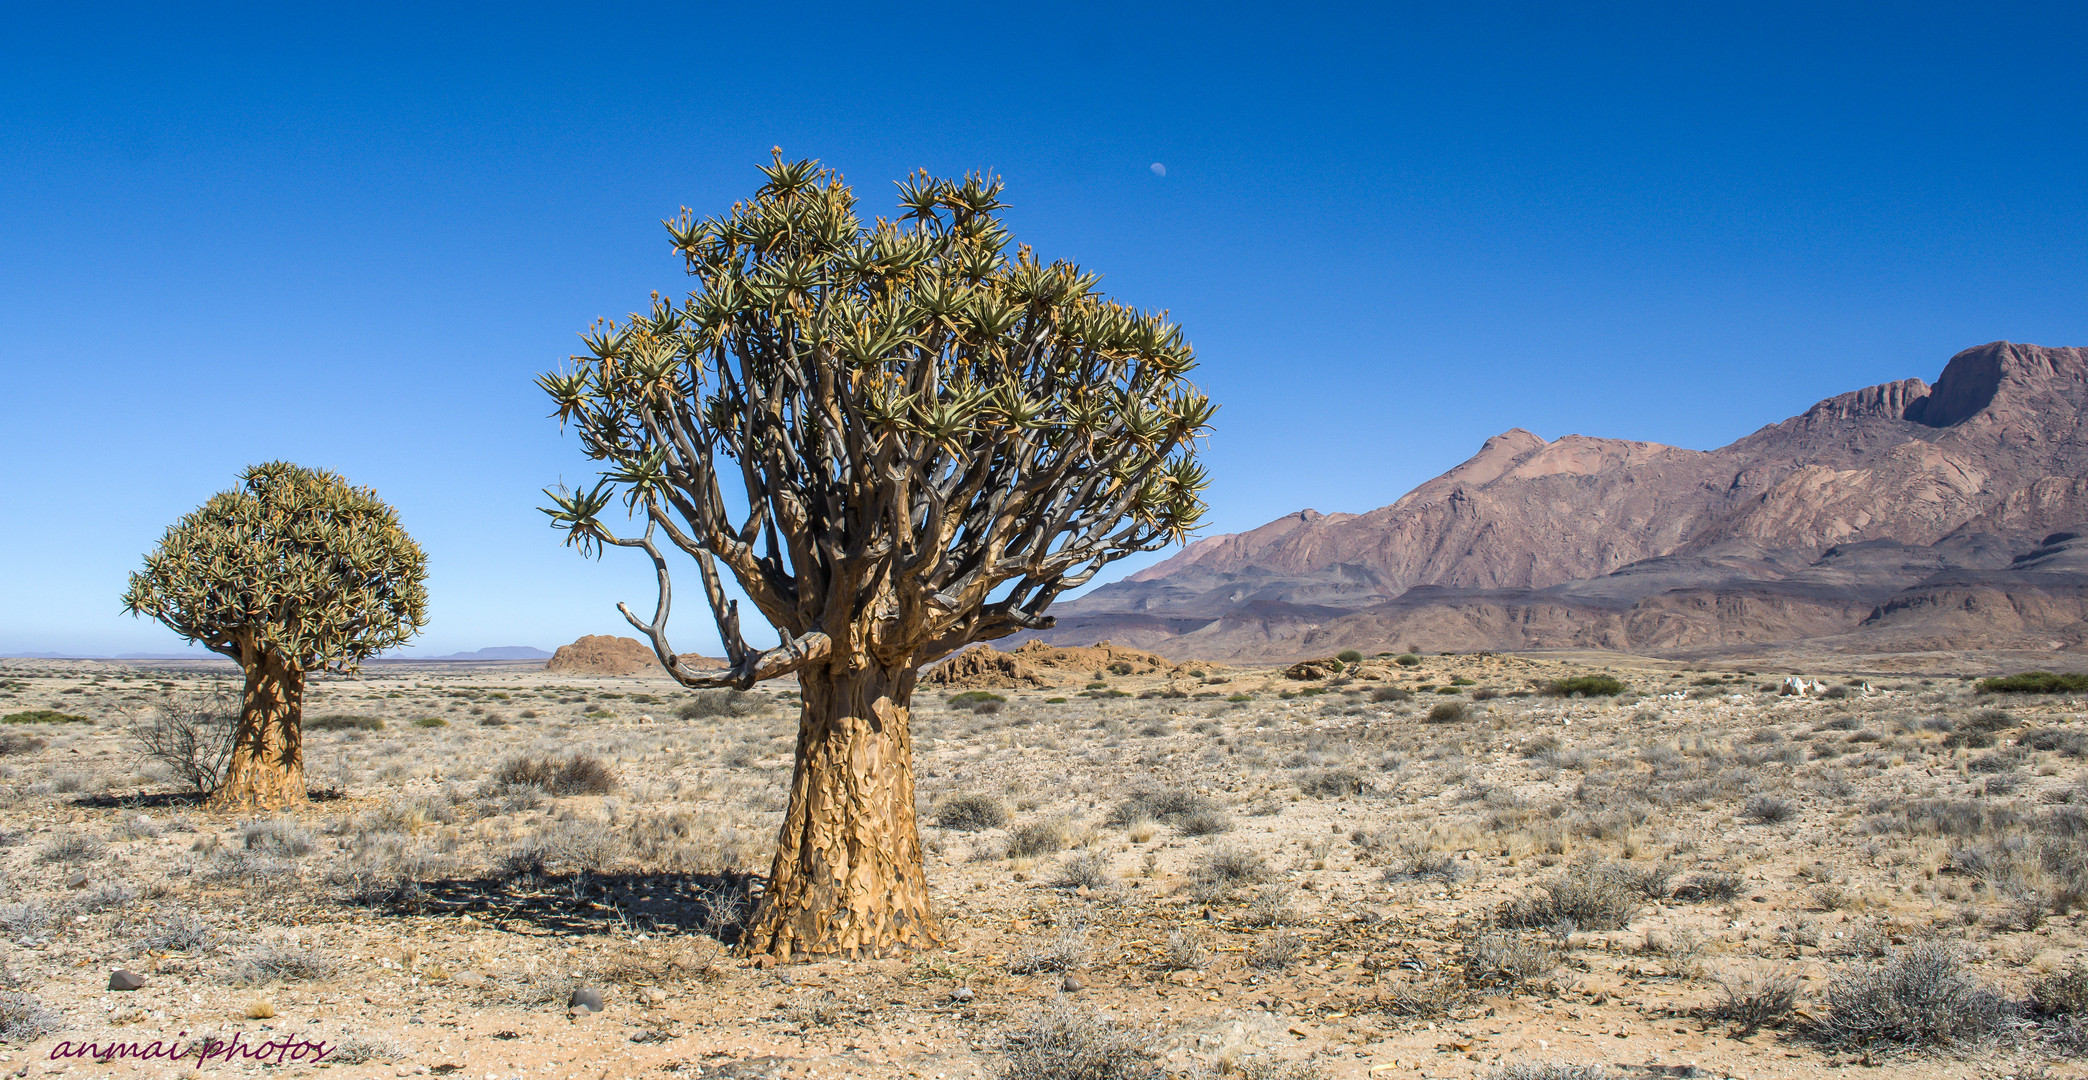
[[1901, 516], [499, 652]]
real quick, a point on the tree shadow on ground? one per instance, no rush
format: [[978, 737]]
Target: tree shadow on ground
[[160, 800], [717, 905]]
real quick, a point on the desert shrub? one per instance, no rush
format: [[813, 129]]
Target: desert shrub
[[1586, 686], [1068, 951], [1588, 896], [1407, 660], [2061, 993], [278, 836], [1416, 864], [720, 703], [1918, 996], [1187, 950], [42, 716], [25, 919], [2065, 742], [23, 1019], [189, 732], [1271, 906], [71, 849], [1332, 782], [1220, 870], [1449, 712], [343, 722], [280, 961], [1062, 1044], [175, 931], [1274, 952], [1502, 959], [1385, 694], [366, 1050], [1040, 837], [1768, 809], [104, 898], [1753, 1000], [971, 812], [13, 743], [1166, 805], [1204, 823], [1088, 870], [1991, 720], [1553, 1070], [578, 774], [430, 722], [1349, 656], [2036, 682], [973, 698], [1487, 694]]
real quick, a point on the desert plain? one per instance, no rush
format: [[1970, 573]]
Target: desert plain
[[1431, 868]]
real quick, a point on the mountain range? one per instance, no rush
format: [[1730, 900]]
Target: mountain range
[[1900, 517]]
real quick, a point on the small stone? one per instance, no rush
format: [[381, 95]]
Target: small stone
[[586, 997], [962, 993], [125, 979], [1072, 984], [653, 995], [468, 977], [77, 881]]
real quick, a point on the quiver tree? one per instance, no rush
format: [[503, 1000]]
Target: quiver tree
[[291, 572], [927, 437]]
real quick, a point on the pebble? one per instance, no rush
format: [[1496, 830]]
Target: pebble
[[468, 977], [1072, 984], [962, 993], [77, 881], [587, 998], [125, 979]]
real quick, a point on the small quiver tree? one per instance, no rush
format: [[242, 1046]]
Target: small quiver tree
[[293, 571], [931, 436]]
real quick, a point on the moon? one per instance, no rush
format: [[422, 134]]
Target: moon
[[1158, 169]]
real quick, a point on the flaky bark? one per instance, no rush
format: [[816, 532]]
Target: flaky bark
[[267, 766], [848, 879]]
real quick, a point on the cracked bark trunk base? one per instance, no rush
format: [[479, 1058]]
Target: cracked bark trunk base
[[848, 879], [266, 770]]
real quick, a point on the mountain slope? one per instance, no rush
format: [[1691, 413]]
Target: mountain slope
[[1805, 529]]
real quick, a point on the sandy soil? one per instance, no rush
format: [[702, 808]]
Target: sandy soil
[[1248, 873]]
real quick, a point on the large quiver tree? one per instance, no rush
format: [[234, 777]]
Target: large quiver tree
[[293, 571], [929, 435]]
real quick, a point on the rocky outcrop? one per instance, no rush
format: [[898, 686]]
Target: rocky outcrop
[[1848, 519], [603, 654]]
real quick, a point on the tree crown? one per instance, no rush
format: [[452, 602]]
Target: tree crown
[[294, 561], [932, 435]]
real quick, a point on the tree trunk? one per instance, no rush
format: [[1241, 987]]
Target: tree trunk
[[267, 766], [848, 879]]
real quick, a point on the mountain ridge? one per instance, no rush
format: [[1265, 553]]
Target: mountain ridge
[[1804, 529]]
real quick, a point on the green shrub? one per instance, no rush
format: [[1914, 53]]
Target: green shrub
[[972, 697], [42, 716], [343, 722], [1407, 660], [1448, 690], [431, 721], [1586, 686], [2036, 682], [1239, 698], [1390, 693], [1349, 656], [1459, 680], [1054, 701]]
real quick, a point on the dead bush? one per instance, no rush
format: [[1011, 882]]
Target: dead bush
[[1587, 897], [1062, 1044], [578, 774], [187, 731], [971, 813], [1753, 1000]]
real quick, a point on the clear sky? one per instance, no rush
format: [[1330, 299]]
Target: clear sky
[[352, 238]]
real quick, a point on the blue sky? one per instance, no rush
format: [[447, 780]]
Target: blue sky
[[351, 238]]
